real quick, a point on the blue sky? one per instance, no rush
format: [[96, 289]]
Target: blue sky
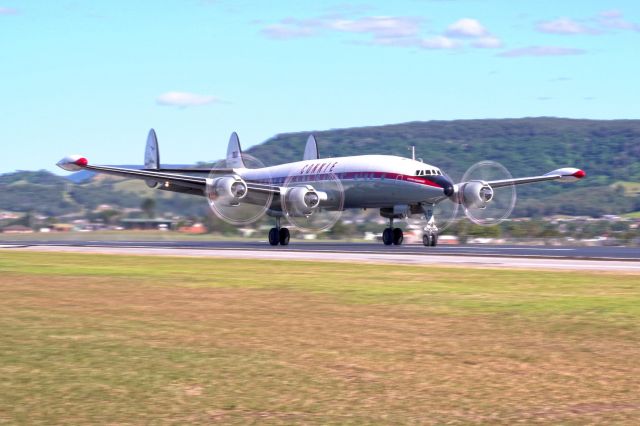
[[92, 77]]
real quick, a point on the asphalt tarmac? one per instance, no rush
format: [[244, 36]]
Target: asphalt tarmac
[[619, 259], [595, 253]]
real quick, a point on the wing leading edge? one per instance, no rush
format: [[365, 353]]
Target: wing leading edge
[[565, 174], [167, 179]]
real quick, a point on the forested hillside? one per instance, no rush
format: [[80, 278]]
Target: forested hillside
[[609, 151]]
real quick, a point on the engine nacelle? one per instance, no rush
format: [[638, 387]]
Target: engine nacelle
[[302, 200], [475, 194], [227, 189]]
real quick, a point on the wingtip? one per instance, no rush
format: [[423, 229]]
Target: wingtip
[[73, 163]]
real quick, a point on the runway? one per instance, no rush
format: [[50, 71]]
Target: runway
[[621, 259]]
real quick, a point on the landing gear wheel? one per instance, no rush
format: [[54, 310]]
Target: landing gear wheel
[[274, 237], [426, 239], [387, 236], [434, 239], [397, 236], [284, 237]]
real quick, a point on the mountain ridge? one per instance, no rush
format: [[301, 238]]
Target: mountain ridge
[[608, 150]]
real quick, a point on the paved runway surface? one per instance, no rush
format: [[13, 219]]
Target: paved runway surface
[[533, 257]]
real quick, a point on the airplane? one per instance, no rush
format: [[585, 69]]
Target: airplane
[[311, 194]]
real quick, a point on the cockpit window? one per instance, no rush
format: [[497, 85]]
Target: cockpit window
[[429, 172]]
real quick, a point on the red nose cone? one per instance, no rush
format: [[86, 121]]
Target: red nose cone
[[579, 174], [82, 162]]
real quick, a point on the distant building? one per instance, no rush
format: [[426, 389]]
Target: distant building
[[9, 216], [147, 224], [196, 228], [17, 229]]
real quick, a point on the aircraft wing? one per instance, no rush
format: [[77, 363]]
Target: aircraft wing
[[176, 180], [564, 174]]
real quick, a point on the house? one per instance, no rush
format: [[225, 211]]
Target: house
[[17, 229]]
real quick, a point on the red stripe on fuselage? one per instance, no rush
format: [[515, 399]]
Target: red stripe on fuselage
[[350, 176]]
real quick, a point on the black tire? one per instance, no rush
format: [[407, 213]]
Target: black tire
[[387, 236], [274, 238], [426, 239], [434, 239], [398, 236], [284, 237]]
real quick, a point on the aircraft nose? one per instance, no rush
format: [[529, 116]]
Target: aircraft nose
[[445, 183], [448, 186]]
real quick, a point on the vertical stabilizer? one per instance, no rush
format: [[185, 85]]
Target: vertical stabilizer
[[152, 156], [234, 153], [151, 152], [311, 150]]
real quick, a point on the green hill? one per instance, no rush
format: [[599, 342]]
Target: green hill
[[609, 151]]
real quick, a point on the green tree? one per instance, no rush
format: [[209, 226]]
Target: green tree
[[148, 206]]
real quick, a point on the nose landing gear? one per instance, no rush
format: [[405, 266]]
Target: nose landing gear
[[430, 235]]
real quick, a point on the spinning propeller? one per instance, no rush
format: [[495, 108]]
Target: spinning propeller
[[229, 196], [482, 204], [312, 202]]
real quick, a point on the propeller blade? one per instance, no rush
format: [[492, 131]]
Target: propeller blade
[[490, 206], [313, 203], [229, 197]]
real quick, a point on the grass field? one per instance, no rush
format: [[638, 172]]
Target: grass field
[[122, 340]]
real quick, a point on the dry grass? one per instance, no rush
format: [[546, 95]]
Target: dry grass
[[173, 341]]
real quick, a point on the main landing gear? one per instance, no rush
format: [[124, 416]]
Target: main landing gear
[[279, 235], [392, 235]]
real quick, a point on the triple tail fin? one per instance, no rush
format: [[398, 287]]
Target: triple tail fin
[[234, 153], [151, 152], [152, 156], [311, 150]]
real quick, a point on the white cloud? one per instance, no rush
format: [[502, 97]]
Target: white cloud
[[541, 51], [489, 42], [470, 28], [605, 21], [466, 27], [614, 19], [7, 11], [440, 42], [185, 99], [398, 31], [613, 13], [564, 26], [378, 26]]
